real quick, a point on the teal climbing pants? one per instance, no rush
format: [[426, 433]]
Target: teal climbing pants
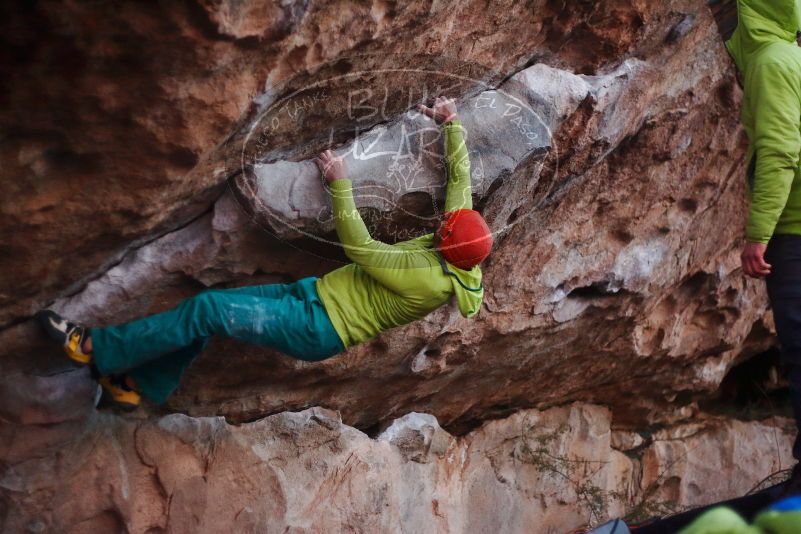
[[156, 350]]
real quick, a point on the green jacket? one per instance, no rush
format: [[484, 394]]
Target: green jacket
[[391, 285], [764, 48]]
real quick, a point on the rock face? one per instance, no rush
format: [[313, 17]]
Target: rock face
[[142, 107], [611, 173], [307, 472], [155, 151]]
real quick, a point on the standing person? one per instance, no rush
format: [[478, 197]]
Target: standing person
[[768, 59], [312, 319]]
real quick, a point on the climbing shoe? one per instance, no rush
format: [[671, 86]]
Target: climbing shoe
[[117, 394], [68, 335]]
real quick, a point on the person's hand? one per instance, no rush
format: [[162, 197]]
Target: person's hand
[[331, 167], [444, 110], [753, 258]]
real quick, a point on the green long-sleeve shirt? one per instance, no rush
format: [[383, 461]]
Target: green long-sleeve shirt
[[769, 60], [392, 285]]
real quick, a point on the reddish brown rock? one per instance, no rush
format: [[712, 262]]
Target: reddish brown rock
[[615, 275], [307, 472], [128, 142], [119, 123]]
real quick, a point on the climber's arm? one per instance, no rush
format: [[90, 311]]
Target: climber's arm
[[359, 245], [777, 143], [457, 159], [459, 194], [384, 262], [388, 264]]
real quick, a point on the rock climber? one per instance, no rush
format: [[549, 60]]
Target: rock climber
[[768, 59], [314, 318]]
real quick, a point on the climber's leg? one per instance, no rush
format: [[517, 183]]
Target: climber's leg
[[784, 290], [166, 343], [268, 291], [158, 378], [124, 347], [312, 319]]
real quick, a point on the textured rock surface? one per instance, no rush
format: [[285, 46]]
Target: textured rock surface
[[616, 265], [153, 151], [142, 105], [307, 472]]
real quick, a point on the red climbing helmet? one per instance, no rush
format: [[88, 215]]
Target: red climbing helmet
[[465, 238]]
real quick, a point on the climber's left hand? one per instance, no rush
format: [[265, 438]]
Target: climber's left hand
[[331, 167]]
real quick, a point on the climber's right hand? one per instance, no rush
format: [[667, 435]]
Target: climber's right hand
[[444, 110], [753, 260], [331, 167]]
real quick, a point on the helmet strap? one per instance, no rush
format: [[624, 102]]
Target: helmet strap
[[445, 269]]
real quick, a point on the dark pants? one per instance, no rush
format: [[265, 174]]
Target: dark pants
[[784, 291]]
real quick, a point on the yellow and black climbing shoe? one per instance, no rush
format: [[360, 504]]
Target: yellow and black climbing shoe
[[68, 335], [117, 394]]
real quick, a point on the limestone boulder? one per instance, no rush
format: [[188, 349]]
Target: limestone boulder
[[536, 471], [611, 174], [153, 151]]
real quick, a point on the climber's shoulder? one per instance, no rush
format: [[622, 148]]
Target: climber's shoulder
[[421, 242], [781, 56]]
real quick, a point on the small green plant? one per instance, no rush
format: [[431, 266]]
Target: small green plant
[[538, 447], [649, 507], [535, 448]]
